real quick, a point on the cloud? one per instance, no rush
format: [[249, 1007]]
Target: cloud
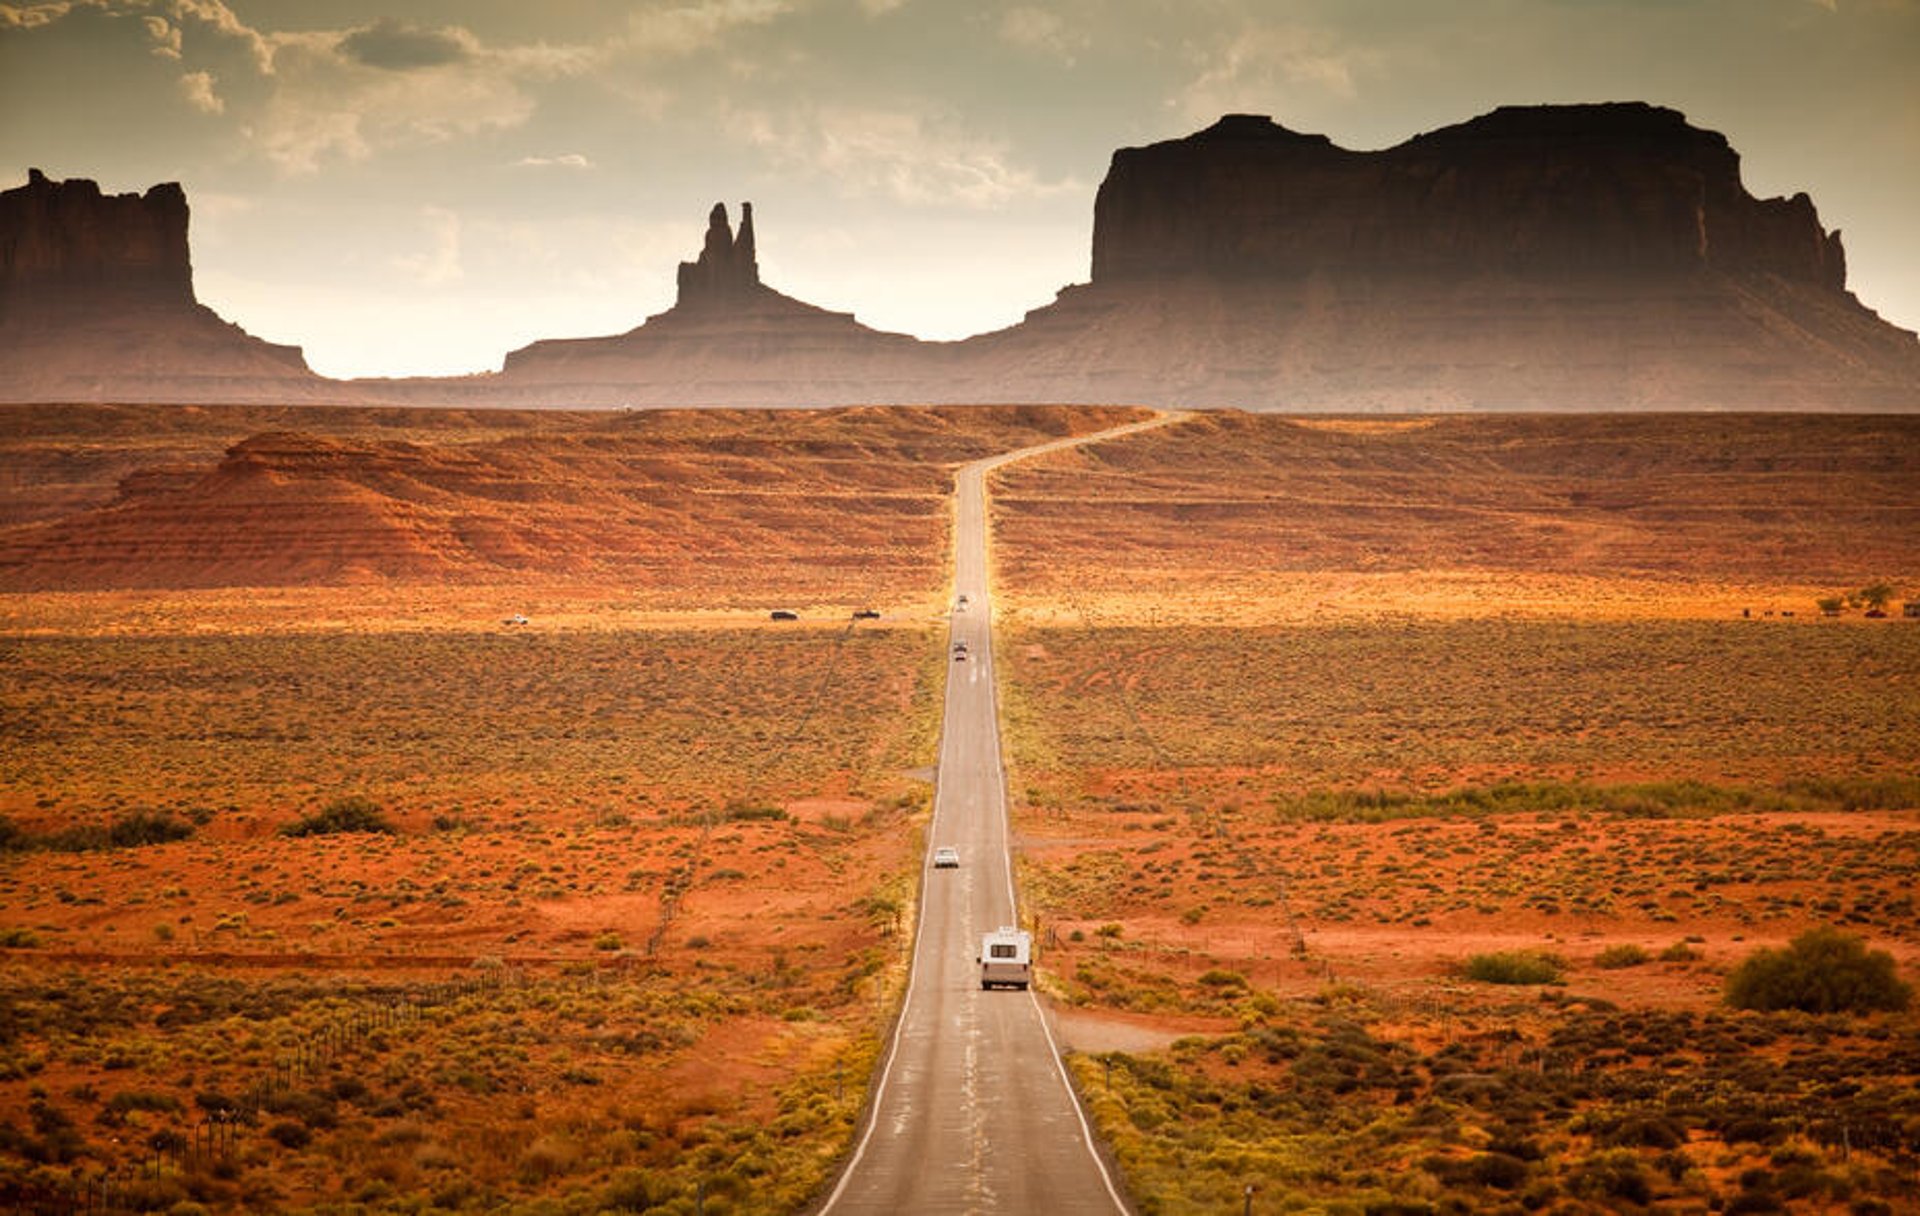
[[898, 154], [1260, 66], [32, 16], [298, 138], [1036, 29], [439, 263], [688, 28], [566, 160], [165, 35], [197, 88], [216, 17], [399, 46], [352, 94]]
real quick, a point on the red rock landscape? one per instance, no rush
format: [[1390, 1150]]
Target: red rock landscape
[[419, 807]]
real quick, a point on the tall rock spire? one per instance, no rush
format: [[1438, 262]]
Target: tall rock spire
[[726, 271], [743, 245]]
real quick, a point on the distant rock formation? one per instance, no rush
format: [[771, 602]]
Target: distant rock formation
[[1541, 193], [97, 303], [1592, 257], [729, 339], [1585, 257], [69, 247], [726, 273]]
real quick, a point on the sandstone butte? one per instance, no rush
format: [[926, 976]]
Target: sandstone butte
[[1579, 257], [97, 304]]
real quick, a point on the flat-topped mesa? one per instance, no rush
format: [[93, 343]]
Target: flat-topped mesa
[[97, 304], [726, 271], [1614, 190], [68, 245]]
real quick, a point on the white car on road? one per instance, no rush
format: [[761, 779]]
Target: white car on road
[[945, 858]]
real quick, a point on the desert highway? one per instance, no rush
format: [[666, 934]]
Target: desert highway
[[972, 1112]]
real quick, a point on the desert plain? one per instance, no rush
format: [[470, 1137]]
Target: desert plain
[[420, 810]]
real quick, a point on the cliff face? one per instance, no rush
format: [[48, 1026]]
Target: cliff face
[[1590, 257], [1597, 257], [67, 244], [1547, 192], [97, 303], [1557, 257]]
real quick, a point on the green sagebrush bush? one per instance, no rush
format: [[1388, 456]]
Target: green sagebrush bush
[[355, 813], [128, 831], [1821, 971], [1514, 967], [1625, 954]]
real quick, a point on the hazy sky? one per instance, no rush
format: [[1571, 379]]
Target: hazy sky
[[418, 186]]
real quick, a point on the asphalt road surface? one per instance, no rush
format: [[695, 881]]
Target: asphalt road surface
[[972, 1111]]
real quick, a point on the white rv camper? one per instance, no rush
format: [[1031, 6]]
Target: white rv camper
[[1006, 957]]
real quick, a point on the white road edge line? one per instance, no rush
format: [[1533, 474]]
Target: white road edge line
[[913, 979]]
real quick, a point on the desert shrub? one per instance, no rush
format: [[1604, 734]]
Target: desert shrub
[[1626, 954], [128, 831], [16, 937], [131, 1099], [216, 1103], [355, 813], [1752, 1129], [744, 813], [1497, 1170], [1822, 971], [1854, 793], [1614, 1174], [1514, 967], [636, 1190], [1679, 952], [146, 827], [1642, 1131], [291, 1134]]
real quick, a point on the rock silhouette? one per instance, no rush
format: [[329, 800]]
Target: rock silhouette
[[726, 272], [729, 339], [1542, 193], [1585, 257], [97, 304]]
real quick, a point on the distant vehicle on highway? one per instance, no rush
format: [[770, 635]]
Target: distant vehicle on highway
[[867, 614], [945, 858], [1006, 958], [960, 605], [515, 619], [784, 614]]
